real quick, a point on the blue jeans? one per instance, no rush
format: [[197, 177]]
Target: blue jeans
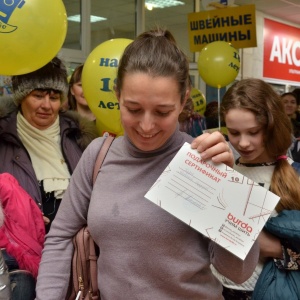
[[22, 282], [22, 285]]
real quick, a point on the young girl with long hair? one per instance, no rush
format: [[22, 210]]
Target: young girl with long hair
[[261, 132]]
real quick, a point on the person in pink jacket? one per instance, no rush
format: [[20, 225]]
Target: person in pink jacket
[[21, 236], [4, 276]]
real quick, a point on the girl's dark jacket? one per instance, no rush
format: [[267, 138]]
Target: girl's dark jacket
[[76, 133], [279, 283]]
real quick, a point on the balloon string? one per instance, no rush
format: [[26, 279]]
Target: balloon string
[[219, 104]]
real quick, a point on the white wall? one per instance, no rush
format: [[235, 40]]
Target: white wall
[[252, 58]]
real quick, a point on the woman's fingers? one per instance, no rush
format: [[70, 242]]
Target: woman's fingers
[[214, 146]]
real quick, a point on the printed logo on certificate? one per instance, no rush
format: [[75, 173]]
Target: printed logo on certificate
[[216, 200]]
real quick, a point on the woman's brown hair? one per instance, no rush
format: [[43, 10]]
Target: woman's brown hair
[[155, 53], [261, 99], [75, 77]]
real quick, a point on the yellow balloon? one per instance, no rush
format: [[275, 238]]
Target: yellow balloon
[[98, 78], [31, 34], [218, 64], [199, 101]]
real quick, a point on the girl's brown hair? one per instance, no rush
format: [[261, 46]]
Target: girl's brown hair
[[261, 99]]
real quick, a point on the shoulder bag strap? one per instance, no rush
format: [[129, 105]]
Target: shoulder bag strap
[[93, 257], [101, 156], [93, 288]]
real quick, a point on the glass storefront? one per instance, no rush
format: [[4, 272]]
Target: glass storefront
[[73, 38], [121, 19]]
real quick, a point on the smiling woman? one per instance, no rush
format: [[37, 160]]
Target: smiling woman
[[152, 86], [150, 110]]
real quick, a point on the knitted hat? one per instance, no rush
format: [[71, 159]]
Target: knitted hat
[[51, 76]]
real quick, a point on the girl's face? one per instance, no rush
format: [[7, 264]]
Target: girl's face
[[290, 104], [246, 136], [149, 107], [77, 92]]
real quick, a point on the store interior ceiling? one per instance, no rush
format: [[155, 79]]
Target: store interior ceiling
[[120, 14], [287, 10]]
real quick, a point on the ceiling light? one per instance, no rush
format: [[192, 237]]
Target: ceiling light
[[162, 3], [149, 6], [93, 19]]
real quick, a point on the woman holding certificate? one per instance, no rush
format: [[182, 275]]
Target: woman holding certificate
[[261, 132], [145, 252]]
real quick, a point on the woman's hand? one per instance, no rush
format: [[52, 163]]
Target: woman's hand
[[214, 146], [46, 220]]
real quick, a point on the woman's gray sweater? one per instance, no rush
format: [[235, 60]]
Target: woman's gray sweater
[[146, 253]]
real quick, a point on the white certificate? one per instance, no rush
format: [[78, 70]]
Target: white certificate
[[217, 201]]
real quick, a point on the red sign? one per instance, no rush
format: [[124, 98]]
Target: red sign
[[281, 51]]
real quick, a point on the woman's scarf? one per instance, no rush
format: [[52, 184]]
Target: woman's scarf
[[46, 156]]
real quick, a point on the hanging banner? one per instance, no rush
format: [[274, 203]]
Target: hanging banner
[[281, 51], [236, 25]]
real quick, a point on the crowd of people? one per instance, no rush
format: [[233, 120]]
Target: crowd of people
[[40, 145], [48, 147]]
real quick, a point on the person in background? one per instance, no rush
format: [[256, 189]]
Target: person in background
[[146, 253], [191, 122], [291, 108], [211, 115], [39, 145], [4, 276], [261, 132], [76, 100], [296, 92], [291, 105]]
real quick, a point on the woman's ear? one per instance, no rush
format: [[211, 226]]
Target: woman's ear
[[187, 94], [71, 90], [117, 93]]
